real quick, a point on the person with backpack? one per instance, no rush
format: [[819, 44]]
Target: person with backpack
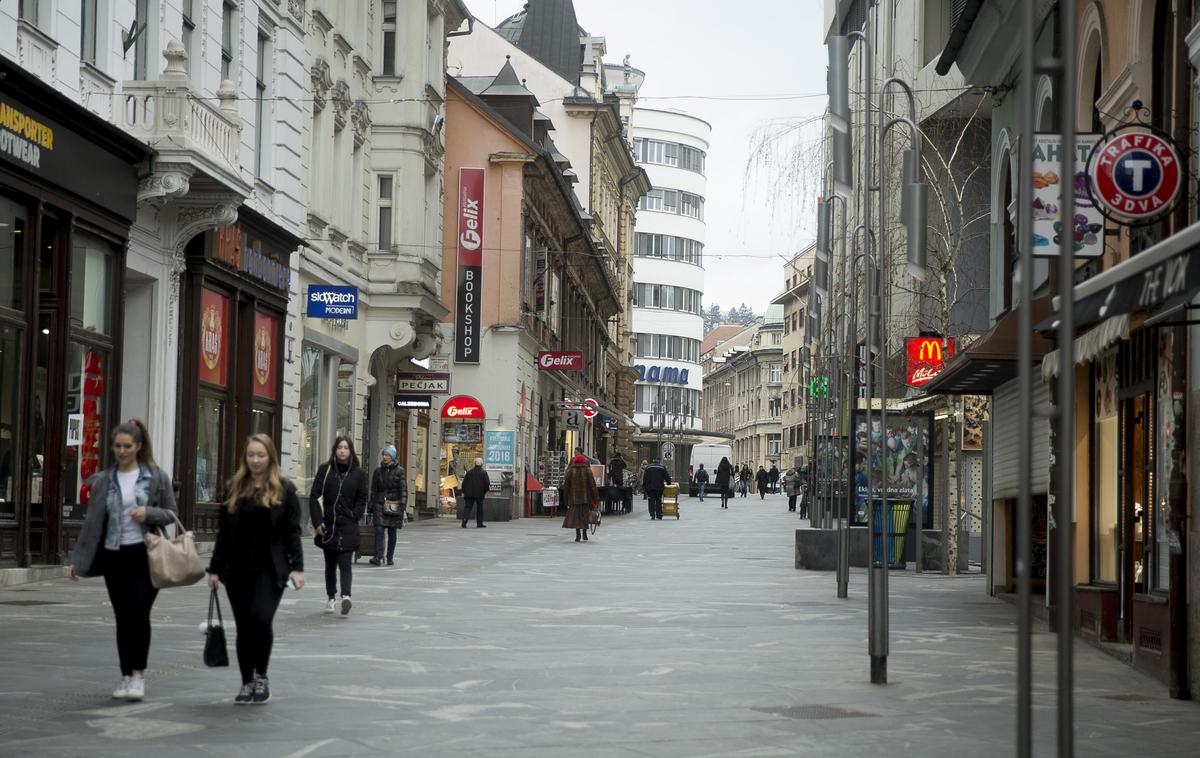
[[336, 504], [126, 501], [256, 555], [701, 478], [389, 503]]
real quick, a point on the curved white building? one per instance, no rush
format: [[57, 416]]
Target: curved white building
[[668, 276]]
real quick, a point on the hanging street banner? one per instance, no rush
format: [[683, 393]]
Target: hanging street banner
[[559, 361], [423, 382], [1049, 181], [927, 356], [1135, 175], [468, 331]]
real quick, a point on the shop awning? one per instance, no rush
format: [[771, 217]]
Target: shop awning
[[991, 360], [1090, 345], [531, 483], [1166, 273]]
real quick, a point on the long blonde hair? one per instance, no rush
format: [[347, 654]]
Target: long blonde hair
[[242, 484]]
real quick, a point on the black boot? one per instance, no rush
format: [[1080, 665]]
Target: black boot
[[577, 533]]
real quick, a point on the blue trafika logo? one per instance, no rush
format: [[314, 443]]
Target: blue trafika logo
[[332, 302]]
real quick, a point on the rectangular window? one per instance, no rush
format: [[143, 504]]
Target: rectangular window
[[141, 48], [260, 104], [670, 201], [227, 27], [671, 154], [210, 417], [189, 38], [87, 31], [91, 276], [388, 67], [776, 374], [385, 214], [28, 10], [13, 261]]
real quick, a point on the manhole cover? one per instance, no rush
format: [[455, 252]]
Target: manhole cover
[[816, 712], [29, 602]]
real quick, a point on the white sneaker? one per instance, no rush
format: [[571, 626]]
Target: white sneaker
[[137, 688], [331, 606], [346, 605], [122, 690]]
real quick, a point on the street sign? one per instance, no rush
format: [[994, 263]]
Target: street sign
[[1135, 174], [590, 407], [668, 451], [332, 302], [572, 419]]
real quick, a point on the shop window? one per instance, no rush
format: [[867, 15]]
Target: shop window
[[344, 427], [13, 236], [312, 381], [10, 379], [91, 277], [210, 415], [86, 421]]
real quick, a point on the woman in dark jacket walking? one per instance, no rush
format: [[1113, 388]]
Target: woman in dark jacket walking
[[336, 504], [725, 480], [389, 499], [580, 496], [256, 555], [126, 501], [744, 479], [763, 480]]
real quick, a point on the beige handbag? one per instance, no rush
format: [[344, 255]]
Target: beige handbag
[[173, 562]]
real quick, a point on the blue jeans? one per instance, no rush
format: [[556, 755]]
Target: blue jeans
[[391, 541], [702, 489]]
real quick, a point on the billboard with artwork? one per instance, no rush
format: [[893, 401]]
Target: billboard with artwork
[[904, 452]]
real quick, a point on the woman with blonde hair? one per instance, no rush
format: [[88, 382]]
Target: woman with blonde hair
[[256, 555], [580, 496]]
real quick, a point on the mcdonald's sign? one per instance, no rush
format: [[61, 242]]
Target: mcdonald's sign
[[926, 357]]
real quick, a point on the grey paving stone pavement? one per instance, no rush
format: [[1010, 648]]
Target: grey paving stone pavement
[[685, 638]]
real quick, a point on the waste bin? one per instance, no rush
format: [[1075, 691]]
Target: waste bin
[[894, 524]]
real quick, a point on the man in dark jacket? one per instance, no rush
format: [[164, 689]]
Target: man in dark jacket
[[763, 480], [774, 478], [616, 480], [475, 488], [654, 480], [701, 478]]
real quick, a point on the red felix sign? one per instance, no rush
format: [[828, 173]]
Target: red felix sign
[[463, 407], [558, 361], [468, 331], [926, 358]]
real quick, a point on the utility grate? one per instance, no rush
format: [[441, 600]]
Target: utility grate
[[27, 603], [816, 712]]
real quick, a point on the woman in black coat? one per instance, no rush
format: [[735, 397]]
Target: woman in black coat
[[342, 485], [763, 480], [389, 499], [257, 553], [724, 480]]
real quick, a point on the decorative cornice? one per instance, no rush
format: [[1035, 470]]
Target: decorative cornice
[[360, 117], [168, 182]]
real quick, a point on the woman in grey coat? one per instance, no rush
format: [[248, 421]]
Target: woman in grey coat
[[126, 501]]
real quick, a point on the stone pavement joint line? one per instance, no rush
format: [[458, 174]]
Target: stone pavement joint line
[[668, 638]]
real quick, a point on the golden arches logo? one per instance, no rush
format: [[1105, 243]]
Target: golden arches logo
[[929, 350]]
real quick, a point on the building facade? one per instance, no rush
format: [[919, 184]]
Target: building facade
[[668, 282], [801, 386]]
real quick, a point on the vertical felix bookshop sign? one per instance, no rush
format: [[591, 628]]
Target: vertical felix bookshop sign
[[467, 313]]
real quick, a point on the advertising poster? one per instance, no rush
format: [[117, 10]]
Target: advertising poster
[[1049, 179], [214, 336], [974, 415], [265, 337], [499, 450], [904, 453]]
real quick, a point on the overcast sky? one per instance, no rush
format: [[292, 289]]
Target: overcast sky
[[717, 49]]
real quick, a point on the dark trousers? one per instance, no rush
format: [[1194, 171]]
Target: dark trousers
[[654, 498], [791, 502], [127, 577], [804, 505], [762, 493], [391, 541], [474, 504], [337, 563], [725, 497], [745, 487], [254, 598]]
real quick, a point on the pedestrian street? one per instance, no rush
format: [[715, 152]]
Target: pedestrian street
[[690, 637]]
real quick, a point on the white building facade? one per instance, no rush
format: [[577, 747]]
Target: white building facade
[[668, 279]]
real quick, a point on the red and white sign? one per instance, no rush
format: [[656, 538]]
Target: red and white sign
[[558, 361], [463, 407], [468, 329], [265, 328], [214, 328], [1136, 175], [927, 356], [590, 409]]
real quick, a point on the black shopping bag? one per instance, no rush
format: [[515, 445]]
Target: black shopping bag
[[215, 652]]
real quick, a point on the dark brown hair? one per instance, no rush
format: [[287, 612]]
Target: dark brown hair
[[333, 451], [137, 430]]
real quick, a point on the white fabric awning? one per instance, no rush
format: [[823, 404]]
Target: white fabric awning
[[1090, 345]]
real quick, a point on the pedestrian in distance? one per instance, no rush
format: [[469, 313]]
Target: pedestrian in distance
[[580, 496], [654, 480], [744, 479], [389, 499], [475, 488], [791, 487], [774, 472], [725, 480], [126, 501], [616, 478], [641, 474], [763, 480], [336, 504], [701, 477], [257, 554]]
